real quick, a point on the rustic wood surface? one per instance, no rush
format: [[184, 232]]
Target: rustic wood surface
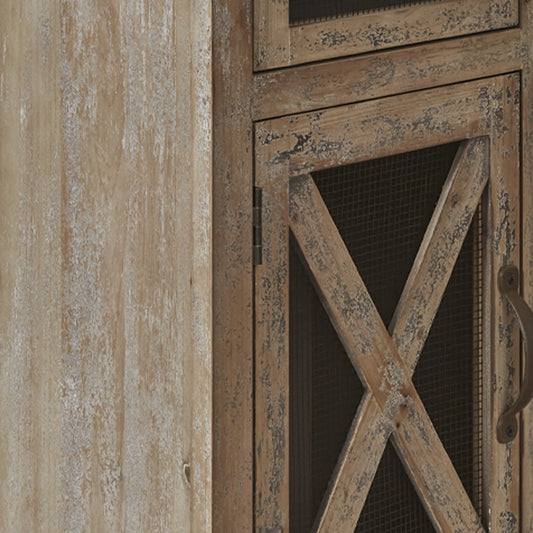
[[501, 335], [352, 133], [272, 355], [105, 228], [278, 45], [232, 263], [333, 83]]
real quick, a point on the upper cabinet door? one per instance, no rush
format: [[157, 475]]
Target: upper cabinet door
[[291, 32]]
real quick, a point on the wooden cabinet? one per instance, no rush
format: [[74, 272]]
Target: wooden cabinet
[[371, 332]]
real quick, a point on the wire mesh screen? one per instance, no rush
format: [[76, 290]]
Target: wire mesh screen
[[382, 209], [324, 394], [307, 11]]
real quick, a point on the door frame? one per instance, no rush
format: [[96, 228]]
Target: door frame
[[287, 150]]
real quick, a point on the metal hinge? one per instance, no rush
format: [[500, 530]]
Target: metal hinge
[[257, 249]]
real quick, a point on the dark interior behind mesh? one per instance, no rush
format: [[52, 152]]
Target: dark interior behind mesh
[[306, 11], [382, 209]]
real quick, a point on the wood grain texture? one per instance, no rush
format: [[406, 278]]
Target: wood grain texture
[[371, 30], [30, 269], [347, 134], [271, 304], [233, 489], [106, 291], [333, 83]]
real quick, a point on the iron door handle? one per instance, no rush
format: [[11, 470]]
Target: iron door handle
[[507, 426]]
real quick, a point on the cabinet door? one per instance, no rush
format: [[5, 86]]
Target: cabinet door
[[290, 32], [385, 353]]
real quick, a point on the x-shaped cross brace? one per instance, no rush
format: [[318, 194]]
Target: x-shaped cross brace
[[385, 362]]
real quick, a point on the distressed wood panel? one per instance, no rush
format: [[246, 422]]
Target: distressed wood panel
[[333, 83], [30, 269], [106, 279], [279, 45]]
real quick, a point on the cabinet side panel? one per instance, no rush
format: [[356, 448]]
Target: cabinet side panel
[[105, 275]]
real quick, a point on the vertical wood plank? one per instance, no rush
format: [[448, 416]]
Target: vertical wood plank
[[272, 348], [233, 287], [271, 33], [30, 267], [501, 339]]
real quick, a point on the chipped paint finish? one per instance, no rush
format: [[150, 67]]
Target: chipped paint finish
[[106, 296], [346, 134], [277, 44], [287, 147]]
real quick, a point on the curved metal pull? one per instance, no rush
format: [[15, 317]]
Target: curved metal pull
[[507, 426]]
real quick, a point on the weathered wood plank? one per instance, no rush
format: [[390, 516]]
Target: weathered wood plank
[[440, 248], [271, 31], [290, 91], [355, 470], [388, 126], [233, 428], [30, 269], [272, 356], [501, 339]]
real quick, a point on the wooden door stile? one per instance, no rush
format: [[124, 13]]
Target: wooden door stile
[[500, 322], [527, 238], [232, 268]]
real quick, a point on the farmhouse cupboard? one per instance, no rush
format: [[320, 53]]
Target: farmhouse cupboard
[[359, 379]]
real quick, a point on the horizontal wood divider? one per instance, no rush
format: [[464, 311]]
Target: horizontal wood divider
[[315, 86]]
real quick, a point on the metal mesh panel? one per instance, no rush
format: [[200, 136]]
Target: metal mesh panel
[[392, 505], [382, 209], [307, 11]]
